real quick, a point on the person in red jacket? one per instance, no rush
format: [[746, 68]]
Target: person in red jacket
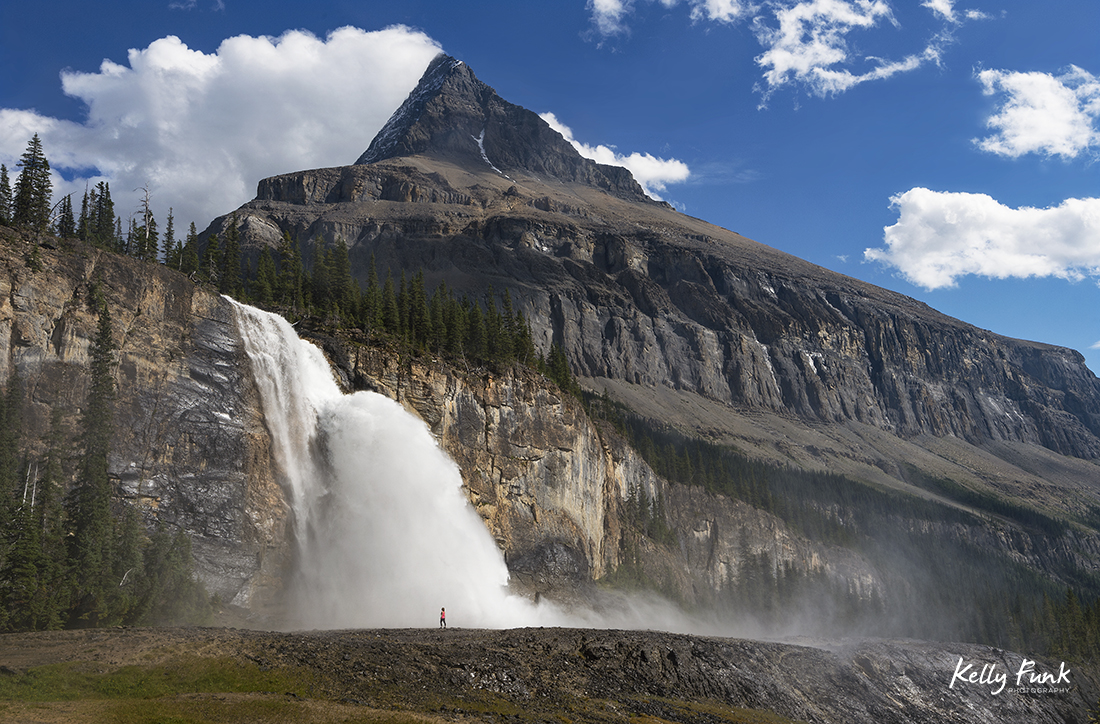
[[442, 618]]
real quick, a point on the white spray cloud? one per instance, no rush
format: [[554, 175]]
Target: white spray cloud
[[654, 174], [199, 130], [941, 236], [385, 536], [1042, 113]]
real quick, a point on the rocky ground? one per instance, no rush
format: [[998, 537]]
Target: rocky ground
[[526, 675]]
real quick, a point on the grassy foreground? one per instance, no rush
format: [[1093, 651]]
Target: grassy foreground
[[216, 682]]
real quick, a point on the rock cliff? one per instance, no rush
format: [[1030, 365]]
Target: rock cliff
[[190, 448], [475, 191]]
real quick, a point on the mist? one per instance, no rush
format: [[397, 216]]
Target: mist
[[385, 536]]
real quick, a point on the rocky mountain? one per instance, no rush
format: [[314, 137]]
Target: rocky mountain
[[762, 437], [693, 324]]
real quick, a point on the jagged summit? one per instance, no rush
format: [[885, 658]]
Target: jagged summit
[[454, 116]]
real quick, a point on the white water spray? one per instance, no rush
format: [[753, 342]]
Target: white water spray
[[385, 536]]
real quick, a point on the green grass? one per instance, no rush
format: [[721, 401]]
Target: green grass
[[196, 690], [77, 681]]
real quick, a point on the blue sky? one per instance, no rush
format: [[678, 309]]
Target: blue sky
[[945, 149]]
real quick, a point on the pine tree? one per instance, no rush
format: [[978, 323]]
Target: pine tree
[[290, 274], [391, 314], [320, 282], [456, 324], [5, 196], [171, 247], [437, 318], [372, 299], [345, 289], [22, 589], [145, 245], [477, 338], [211, 266], [522, 343], [263, 290], [89, 504], [420, 323], [189, 259], [31, 205], [11, 421], [66, 224]]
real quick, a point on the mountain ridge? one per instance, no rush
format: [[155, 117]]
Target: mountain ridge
[[667, 313], [451, 114]]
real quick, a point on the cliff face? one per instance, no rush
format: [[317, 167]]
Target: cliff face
[[190, 448], [476, 191], [552, 487]]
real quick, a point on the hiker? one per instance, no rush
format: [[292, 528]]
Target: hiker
[[442, 618]]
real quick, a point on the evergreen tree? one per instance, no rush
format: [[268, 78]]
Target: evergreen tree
[[98, 224], [320, 283], [23, 595], [437, 317], [211, 267], [33, 188], [263, 290], [372, 299], [145, 244], [420, 323], [5, 196], [558, 369], [345, 290], [456, 325], [189, 259], [66, 224], [523, 345], [89, 505], [477, 347], [146, 241], [290, 274], [171, 249], [11, 422], [391, 314], [82, 223]]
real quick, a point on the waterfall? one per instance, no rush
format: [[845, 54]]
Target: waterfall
[[385, 536]]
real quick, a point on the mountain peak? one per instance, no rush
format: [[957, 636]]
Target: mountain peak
[[453, 116]]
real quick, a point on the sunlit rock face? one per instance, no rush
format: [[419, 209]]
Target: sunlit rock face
[[190, 448]]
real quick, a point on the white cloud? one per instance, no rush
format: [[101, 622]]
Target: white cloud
[[199, 130], [810, 45], [943, 8], [651, 172], [941, 236], [1042, 113], [724, 11], [609, 16], [806, 41]]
